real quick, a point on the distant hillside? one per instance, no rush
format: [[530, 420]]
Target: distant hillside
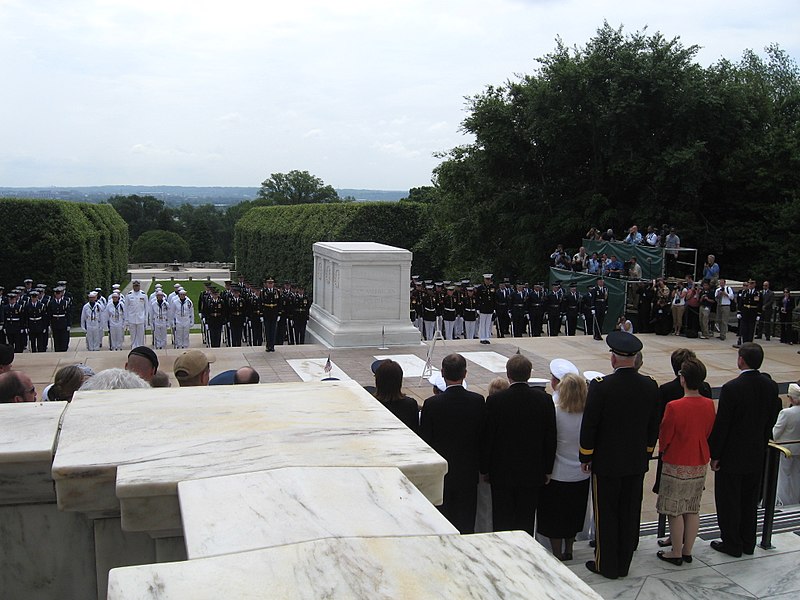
[[176, 194]]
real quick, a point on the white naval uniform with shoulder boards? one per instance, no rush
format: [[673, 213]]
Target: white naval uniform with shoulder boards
[[136, 309]]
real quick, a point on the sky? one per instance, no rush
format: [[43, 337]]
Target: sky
[[362, 94]]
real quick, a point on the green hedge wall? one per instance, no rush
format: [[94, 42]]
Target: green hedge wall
[[50, 240], [278, 240]]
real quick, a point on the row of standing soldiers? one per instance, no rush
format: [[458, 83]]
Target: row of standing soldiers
[[28, 315], [458, 311], [253, 315]]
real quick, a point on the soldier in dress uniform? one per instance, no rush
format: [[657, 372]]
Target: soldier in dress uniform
[[3, 302], [271, 299], [37, 322], [26, 290], [553, 308], [285, 315], [450, 308], [415, 312], [160, 317], [750, 311], [536, 300], [501, 307], [572, 306], [599, 296], [255, 317], [302, 307], [183, 317], [618, 434], [486, 298], [116, 321], [136, 313], [16, 333], [469, 310], [236, 312], [92, 322], [429, 305], [517, 302]]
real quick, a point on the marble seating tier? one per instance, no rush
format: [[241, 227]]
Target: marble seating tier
[[492, 565]]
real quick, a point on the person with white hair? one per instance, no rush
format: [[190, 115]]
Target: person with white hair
[[92, 321], [136, 309], [115, 321], [114, 379], [183, 317], [787, 427], [160, 317]]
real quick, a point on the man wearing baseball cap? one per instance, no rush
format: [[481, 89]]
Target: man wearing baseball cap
[[618, 435], [193, 368]]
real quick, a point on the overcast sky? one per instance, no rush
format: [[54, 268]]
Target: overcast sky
[[359, 93]]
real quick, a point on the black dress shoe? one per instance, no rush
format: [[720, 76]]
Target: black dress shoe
[[566, 556], [674, 561], [687, 558], [664, 543], [720, 546], [592, 566]]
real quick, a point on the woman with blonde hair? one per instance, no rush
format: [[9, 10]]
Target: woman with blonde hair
[[66, 383], [562, 503]]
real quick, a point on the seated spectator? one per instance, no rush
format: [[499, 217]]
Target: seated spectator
[[652, 239], [114, 379], [787, 427], [68, 380], [634, 237], [388, 391], [160, 380], [6, 357], [193, 368], [143, 361], [16, 386]]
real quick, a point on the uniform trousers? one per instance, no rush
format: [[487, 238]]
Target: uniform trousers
[[137, 334], [617, 509], [94, 336], [256, 331], [116, 335], [60, 340], [469, 328], [271, 326], [430, 329], [484, 326], [38, 341], [736, 497], [300, 330], [459, 330], [18, 339], [554, 322], [160, 334], [747, 328], [449, 327], [599, 318], [182, 329], [572, 322], [459, 506], [514, 507]]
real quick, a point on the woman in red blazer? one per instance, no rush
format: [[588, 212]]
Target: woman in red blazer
[[683, 440]]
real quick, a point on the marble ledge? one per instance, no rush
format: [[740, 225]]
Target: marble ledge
[[123, 446], [28, 434], [224, 515], [495, 565]]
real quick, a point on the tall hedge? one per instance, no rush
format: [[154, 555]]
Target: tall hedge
[[50, 240], [278, 240]]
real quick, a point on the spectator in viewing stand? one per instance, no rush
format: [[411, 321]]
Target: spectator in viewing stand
[[634, 237], [711, 271], [193, 368]]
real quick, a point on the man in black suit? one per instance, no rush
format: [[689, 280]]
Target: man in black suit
[[618, 435], [748, 408], [519, 447], [452, 424]]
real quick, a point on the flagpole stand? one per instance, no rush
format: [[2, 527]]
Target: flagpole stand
[[427, 370], [383, 345]]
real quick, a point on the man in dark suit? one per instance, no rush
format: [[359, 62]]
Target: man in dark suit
[[618, 435], [519, 447], [748, 408], [452, 424]]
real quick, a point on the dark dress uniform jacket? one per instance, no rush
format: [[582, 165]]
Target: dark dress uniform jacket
[[452, 424], [520, 441], [748, 408], [620, 423]]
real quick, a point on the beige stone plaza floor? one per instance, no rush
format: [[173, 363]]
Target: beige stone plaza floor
[[767, 574]]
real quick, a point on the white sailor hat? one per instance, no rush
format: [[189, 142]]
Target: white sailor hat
[[438, 381], [538, 382], [92, 294], [561, 366]]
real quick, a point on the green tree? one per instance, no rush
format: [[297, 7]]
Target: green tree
[[158, 245], [295, 187], [425, 194], [142, 213]]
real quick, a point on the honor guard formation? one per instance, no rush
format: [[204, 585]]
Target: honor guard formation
[[466, 311], [30, 318]]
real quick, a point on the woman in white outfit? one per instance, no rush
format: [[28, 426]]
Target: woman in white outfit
[[787, 428]]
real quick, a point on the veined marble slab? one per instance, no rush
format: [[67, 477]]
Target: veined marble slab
[[491, 361], [28, 433], [493, 565], [313, 369], [223, 515], [412, 365], [124, 451]]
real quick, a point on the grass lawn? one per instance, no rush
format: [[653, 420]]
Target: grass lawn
[[193, 289]]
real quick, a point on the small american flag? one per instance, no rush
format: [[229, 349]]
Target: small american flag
[[328, 366]]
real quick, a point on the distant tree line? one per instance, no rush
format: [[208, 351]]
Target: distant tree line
[[628, 129]]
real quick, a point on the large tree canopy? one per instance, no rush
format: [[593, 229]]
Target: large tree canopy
[[629, 129], [295, 187]]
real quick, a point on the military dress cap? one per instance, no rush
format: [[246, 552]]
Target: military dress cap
[[487, 275], [439, 283], [13, 294], [561, 366], [415, 277], [429, 287], [538, 382], [115, 285], [268, 279], [506, 280], [34, 292], [592, 375], [450, 288], [92, 294], [623, 343], [28, 281], [470, 288], [61, 282], [115, 295], [58, 288], [97, 289], [438, 381], [429, 282]]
